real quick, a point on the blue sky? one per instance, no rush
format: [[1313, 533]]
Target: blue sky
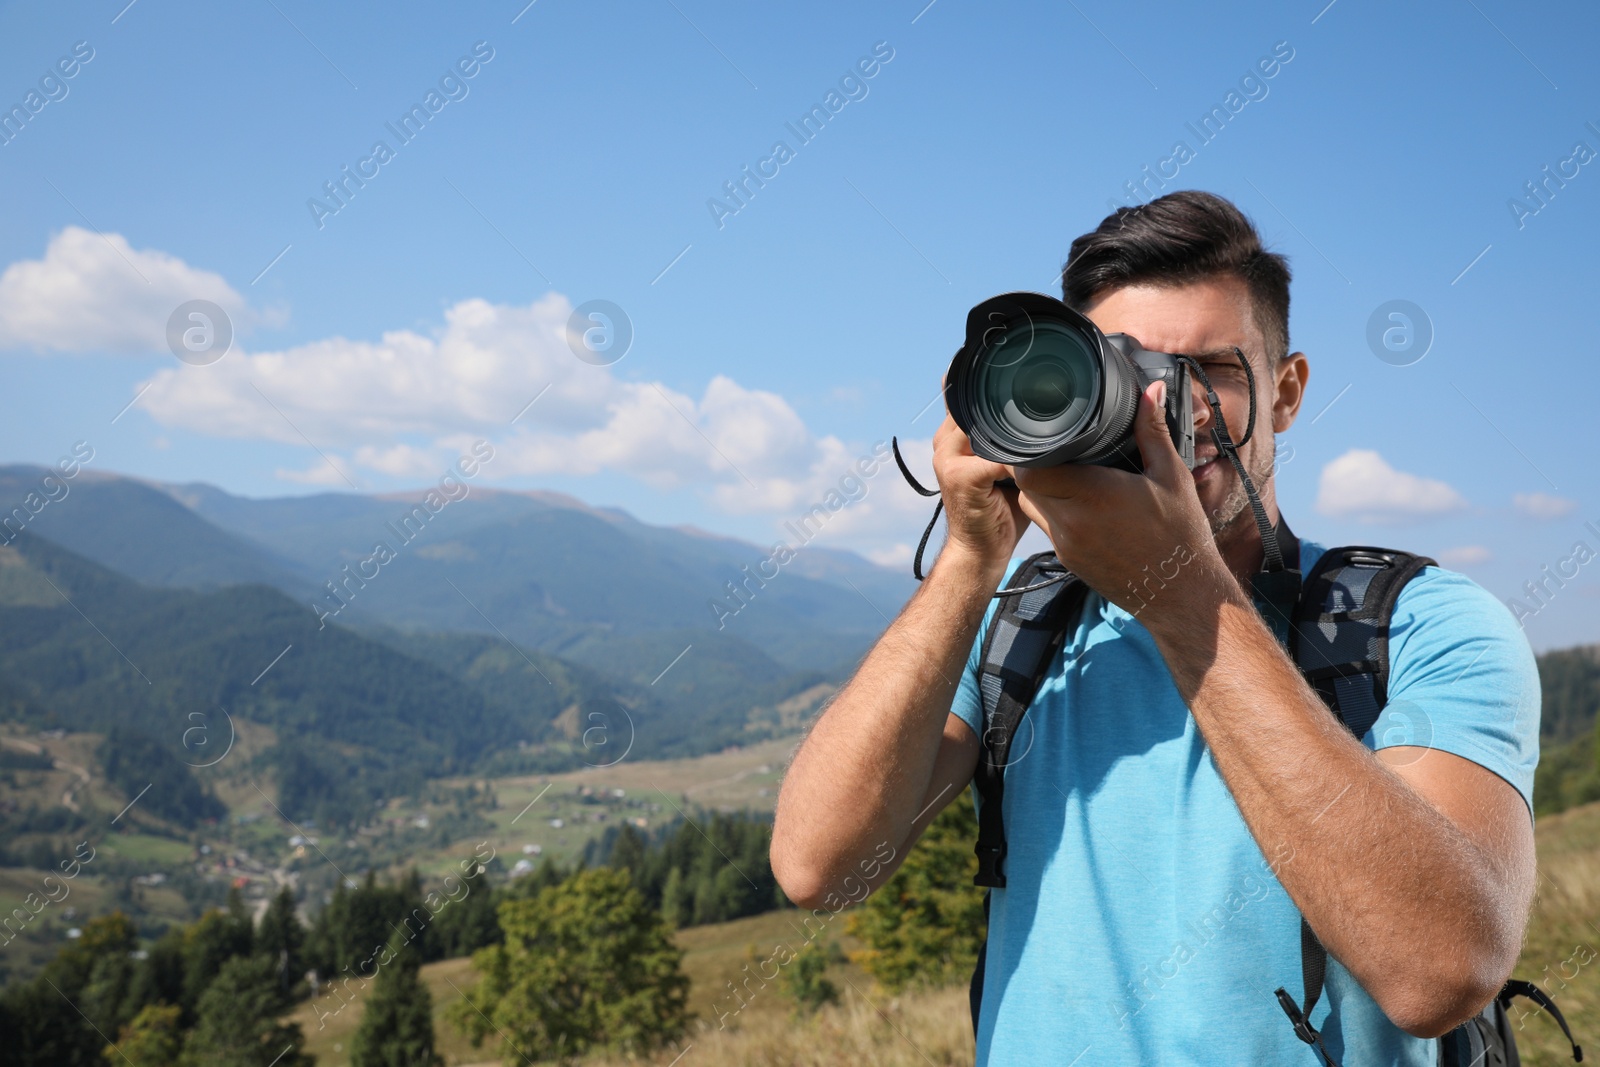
[[771, 351]]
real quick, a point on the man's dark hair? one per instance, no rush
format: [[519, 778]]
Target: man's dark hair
[[1176, 239]]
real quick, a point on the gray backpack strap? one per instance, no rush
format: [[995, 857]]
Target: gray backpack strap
[[1022, 642], [1027, 631], [1340, 642], [1341, 634]]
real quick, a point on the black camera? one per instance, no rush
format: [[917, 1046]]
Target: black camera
[[1037, 384]]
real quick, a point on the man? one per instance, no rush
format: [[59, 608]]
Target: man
[[1182, 796]]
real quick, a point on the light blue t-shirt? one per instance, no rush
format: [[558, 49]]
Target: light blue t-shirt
[[1141, 923]]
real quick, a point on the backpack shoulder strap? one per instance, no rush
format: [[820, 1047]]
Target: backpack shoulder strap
[[1341, 633], [1340, 642], [1026, 633]]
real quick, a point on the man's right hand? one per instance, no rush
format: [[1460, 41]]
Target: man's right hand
[[985, 520]]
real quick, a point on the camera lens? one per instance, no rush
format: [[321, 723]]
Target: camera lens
[[1037, 382]]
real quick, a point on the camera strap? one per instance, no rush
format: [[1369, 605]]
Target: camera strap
[[1057, 573]]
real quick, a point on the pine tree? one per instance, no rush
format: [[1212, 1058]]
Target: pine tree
[[586, 964], [238, 1024], [677, 900], [281, 938], [468, 925], [397, 1024], [925, 924], [219, 935]]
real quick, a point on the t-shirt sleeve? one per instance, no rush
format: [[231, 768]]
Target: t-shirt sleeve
[[968, 703], [1462, 679]]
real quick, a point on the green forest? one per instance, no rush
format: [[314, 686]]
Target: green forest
[[1569, 757]]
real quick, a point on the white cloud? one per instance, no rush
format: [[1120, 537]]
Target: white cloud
[[403, 460], [475, 372], [322, 473], [1361, 485], [99, 294], [896, 555], [1543, 505], [403, 405], [1465, 556]]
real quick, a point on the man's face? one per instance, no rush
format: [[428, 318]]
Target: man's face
[[1205, 319]]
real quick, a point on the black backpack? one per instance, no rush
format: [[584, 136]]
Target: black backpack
[[1335, 625]]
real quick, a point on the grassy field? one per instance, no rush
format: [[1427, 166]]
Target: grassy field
[[156, 852], [1562, 951], [653, 791]]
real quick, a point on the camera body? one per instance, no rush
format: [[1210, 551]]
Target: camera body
[[1037, 384]]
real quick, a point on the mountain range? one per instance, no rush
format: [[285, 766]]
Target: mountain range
[[505, 632], [541, 569]]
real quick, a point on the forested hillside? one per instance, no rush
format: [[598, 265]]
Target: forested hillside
[[87, 650]]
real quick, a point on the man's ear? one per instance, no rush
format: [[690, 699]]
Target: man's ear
[[1294, 370]]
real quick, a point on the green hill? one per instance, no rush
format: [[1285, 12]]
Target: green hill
[[356, 719]]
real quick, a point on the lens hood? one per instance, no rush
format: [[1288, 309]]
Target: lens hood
[[1037, 384]]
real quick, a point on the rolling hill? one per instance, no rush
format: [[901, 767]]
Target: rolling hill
[[592, 585], [85, 649]]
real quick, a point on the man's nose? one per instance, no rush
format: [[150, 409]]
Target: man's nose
[[1202, 409]]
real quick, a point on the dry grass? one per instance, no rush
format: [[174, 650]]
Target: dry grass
[[909, 1031], [1562, 935]]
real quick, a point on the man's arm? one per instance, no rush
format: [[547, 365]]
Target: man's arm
[[1415, 867], [1419, 880], [886, 755]]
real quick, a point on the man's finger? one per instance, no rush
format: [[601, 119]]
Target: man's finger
[[1161, 459], [1066, 480]]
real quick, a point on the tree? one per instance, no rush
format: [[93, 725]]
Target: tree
[[153, 1039], [38, 1025], [104, 1000], [805, 981], [50, 1019], [468, 924], [159, 979], [924, 926], [588, 963], [708, 868], [238, 1024], [220, 935], [356, 924], [397, 1025], [677, 900], [281, 938]]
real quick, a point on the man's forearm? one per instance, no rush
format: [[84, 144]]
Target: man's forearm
[[859, 778], [1393, 888]]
